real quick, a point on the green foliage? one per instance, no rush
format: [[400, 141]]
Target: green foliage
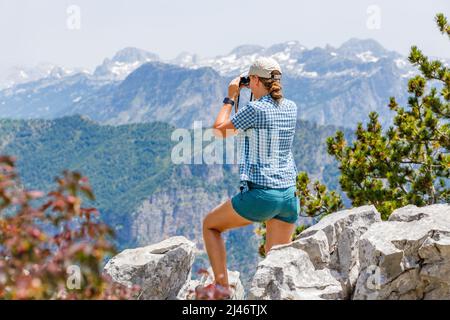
[[299, 229], [40, 245], [442, 24], [321, 202], [410, 163]]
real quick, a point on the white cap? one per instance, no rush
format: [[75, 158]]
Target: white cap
[[263, 67]]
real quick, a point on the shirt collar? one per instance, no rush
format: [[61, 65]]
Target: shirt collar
[[267, 96]]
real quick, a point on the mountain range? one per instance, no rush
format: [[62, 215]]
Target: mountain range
[[338, 86]]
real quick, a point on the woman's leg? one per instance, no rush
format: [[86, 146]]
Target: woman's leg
[[222, 218], [278, 232]]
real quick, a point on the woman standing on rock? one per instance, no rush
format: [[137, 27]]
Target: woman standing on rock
[[266, 128]]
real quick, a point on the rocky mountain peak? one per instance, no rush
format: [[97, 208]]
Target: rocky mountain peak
[[130, 55], [246, 50]]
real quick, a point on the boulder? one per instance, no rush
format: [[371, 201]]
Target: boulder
[[407, 257], [287, 273], [322, 262], [160, 270]]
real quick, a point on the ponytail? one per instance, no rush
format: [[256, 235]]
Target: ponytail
[[273, 86]]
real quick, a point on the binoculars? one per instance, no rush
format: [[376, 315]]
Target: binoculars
[[245, 81]]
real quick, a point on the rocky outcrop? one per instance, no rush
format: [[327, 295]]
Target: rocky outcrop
[[407, 257], [322, 263], [288, 274], [350, 254], [160, 270], [163, 271]]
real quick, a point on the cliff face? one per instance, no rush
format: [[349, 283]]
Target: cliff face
[[175, 209], [350, 254], [179, 210], [160, 217]]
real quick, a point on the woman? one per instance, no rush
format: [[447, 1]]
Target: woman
[[267, 169]]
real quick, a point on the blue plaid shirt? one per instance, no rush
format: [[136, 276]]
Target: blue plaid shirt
[[266, 132]]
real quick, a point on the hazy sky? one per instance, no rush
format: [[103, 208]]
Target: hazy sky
[[33, 31]]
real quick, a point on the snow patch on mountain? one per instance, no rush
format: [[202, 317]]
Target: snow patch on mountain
[[367, 56], [23, 74], [401, 63], [123, 63]]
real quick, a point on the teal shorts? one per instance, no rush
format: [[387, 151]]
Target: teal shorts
[[261, 203]]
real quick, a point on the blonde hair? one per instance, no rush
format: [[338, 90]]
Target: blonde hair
[[273, 86]]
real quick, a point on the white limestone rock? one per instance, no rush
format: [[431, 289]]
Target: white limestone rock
[[407, 257], [160, 269]]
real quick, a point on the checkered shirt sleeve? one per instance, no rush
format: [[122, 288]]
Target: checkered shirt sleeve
[[244, 118]]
